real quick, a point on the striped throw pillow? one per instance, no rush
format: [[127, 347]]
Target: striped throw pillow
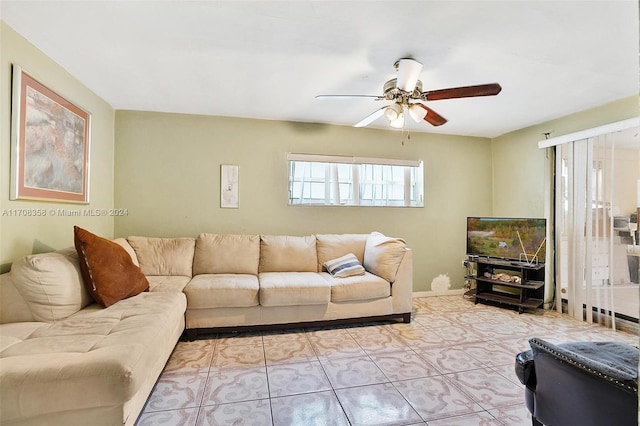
[[344, 266]]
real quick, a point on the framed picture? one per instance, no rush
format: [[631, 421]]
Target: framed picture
[[49, 144], [229, 186]]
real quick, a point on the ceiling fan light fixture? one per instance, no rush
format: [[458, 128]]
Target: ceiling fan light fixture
[[393, 112], [417, 112], [408, 73], [398, 123]]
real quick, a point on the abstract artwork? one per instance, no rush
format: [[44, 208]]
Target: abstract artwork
[[49, 144], [229, 186]]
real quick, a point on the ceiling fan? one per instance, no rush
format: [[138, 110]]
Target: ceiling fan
[[405, 93]]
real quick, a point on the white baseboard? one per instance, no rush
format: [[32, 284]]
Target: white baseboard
[[456, 292]]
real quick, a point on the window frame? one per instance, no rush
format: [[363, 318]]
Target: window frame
[[371, 182]]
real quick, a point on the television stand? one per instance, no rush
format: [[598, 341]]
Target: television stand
[[516, 284]]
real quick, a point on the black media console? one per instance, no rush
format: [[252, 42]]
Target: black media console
[[517, 284]]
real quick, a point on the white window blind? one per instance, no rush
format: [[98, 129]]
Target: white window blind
[[354, 181], [596, 273]]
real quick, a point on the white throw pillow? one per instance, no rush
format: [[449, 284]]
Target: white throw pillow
[[51, 284], [344, 266], [382, 255]]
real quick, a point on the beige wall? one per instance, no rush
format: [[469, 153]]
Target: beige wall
[[25, 235], [168, 177]]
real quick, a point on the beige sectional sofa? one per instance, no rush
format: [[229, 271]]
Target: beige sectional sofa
[[66, 360]]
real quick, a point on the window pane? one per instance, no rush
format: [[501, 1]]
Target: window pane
[[316, 190]]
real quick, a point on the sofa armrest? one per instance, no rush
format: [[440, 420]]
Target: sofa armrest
[[525, 369], [402, 287]]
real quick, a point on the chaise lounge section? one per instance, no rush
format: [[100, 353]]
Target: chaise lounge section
[[65, 360]]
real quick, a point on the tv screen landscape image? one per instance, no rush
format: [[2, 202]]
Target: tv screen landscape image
[[507, 238]]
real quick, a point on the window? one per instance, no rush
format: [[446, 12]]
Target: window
[[354, 181]]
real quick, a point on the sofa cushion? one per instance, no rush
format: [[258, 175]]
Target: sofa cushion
[[226, 254], [51, 284], [167, 282], [382, 255], [293, 288], [99, 358], [108, 271], [15, 332], [222, 291], [164, 256], [13, 307], [361, 287], [283, 253], [125, 245], [331, 246], [344, 266]]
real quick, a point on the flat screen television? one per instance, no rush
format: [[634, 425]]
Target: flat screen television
[[507, 238]]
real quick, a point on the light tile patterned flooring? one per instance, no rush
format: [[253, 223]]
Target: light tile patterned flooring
[[453, 365]]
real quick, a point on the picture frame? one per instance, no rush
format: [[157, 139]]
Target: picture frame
[[229, 185], [50, 138]]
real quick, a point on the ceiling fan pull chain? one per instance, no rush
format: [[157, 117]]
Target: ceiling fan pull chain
[[408, 136]]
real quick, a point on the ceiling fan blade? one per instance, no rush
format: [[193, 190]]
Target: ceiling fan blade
[[433, 117], [371, 117], [462, 92], [408, 74], [323, 97]]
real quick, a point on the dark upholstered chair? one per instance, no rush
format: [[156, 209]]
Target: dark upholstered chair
[[580, 383]]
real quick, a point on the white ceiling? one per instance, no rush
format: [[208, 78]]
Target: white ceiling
[[268, 59]]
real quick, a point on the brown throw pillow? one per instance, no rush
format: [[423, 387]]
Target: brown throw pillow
[[107, 269]]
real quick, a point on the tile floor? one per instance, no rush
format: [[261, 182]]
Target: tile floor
[[453, 365]]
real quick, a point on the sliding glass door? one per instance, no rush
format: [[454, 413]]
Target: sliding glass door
[[597, 190]]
